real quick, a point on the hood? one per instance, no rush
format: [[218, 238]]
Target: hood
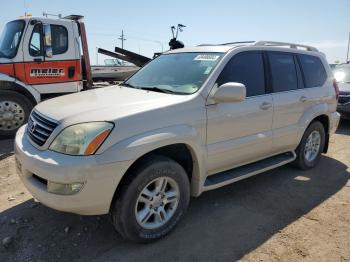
[[105, 104], [344, 87], [4, 60]]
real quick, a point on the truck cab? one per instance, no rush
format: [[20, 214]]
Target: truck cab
[[39, 58]]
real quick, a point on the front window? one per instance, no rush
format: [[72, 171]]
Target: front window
[[179, 73], [342, 74], [10, 38]]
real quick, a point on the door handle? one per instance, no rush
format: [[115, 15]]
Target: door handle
[[38, 60], [303, 99], [265, 105]]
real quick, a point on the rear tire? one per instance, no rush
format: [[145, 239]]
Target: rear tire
[[311, 146], [14, 112], [139, 213]]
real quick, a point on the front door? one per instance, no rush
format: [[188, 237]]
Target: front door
[[238, 133], [60, 73]]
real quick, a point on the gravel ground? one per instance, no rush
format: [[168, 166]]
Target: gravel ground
[[281, 215]]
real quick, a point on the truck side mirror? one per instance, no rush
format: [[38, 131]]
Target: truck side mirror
[[47, 40]]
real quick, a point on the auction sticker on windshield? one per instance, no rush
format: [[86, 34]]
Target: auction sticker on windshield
[[207, 57]]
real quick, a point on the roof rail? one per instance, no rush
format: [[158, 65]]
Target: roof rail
[[240, 42], [290, 45]]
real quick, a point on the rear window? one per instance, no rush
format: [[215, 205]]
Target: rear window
[[283, 70], [314, 72]]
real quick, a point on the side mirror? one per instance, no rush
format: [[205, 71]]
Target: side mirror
[[230, 92], [47, 40]]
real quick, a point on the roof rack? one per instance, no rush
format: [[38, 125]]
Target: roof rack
[[268, 43], [290, 45], [240, 42]]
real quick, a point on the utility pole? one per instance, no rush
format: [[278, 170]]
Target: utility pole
[[122, 39]]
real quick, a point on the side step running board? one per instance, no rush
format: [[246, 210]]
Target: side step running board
[[239, 173]]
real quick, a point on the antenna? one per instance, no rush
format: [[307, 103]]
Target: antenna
[[25, 8], [173, 31]]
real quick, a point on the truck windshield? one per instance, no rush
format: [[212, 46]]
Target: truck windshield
[[10, 38], [342, 74], [179, 73]]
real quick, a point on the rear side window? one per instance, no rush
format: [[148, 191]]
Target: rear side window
[[314, 72], [246, 68], [283, 70], [59, 39]]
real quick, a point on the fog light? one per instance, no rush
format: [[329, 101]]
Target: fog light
[[64, 189]]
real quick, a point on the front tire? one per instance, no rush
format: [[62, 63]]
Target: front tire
[[152, 200], [14, 112], [311, 146]]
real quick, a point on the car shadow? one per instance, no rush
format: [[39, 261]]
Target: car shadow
[[221, 225], [344, 127]]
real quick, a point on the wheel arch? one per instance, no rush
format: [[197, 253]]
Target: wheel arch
[[9, 83], [181, 153], [325, 121]]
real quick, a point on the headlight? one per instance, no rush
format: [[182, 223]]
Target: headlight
[[81, 139]]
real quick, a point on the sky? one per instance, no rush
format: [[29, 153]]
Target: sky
[[146, 24]]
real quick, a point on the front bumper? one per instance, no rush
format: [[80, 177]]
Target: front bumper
[[100, 178]]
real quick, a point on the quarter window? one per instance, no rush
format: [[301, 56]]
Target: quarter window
[[284, 75], [35, 41], [314, 72], [246, 68], [59, 39]]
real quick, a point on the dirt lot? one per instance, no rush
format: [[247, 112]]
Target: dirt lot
[[284, 214]]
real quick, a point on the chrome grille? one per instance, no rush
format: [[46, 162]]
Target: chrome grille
[[39, 128]]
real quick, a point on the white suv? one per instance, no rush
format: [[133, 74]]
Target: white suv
[[192, 120]]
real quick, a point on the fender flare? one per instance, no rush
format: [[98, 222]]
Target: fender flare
[[133, 148], [313, 113], [19, 86]]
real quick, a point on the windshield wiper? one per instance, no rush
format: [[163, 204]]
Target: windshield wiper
[[128, 85], [157, 89]]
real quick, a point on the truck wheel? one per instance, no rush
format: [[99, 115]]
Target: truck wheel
[[14, 112], [311, 146], [152, 201]]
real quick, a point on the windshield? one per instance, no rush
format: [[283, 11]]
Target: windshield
[[342, 74], [181, 73], [10, 38]]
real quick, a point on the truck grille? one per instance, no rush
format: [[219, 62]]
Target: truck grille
[[39, 128]]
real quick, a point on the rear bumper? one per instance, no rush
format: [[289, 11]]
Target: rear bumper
[[100, 179], [334, 122]]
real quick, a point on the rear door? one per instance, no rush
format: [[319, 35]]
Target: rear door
[[60, 73], [289, 99]]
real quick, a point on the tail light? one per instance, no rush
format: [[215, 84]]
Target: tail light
[[336, 88]]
